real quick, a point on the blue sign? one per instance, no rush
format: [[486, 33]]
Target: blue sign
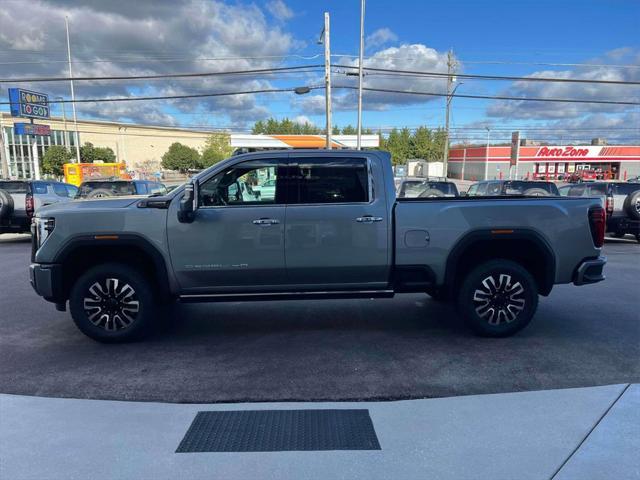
[[25, 103], [31, 129]]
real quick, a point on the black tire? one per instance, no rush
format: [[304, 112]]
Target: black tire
[[632, 205], [536, 192], [100, 193], [114, 304], [6, 204], [618, 234], [431, 193], [476, 306]]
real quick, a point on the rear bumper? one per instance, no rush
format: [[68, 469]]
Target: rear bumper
[[46, 280], [590, 271]]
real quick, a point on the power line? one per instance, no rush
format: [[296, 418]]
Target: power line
[[491, 97], [156, 76], [173, 97], [495, 77]]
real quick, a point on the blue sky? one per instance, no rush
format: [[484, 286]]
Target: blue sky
[[520, 38]]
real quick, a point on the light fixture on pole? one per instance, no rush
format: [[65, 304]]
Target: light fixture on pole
[[326, 40], [360, 74], [73, 95]]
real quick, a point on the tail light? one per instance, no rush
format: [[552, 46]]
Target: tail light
[[597, 222], [29, 205], [609, 204]]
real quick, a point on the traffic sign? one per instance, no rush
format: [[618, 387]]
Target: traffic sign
[[31, 129], [28, 104]]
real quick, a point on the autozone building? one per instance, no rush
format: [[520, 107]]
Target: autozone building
[[479, 163]]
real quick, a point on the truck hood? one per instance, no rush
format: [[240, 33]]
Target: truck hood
[[94, 204]]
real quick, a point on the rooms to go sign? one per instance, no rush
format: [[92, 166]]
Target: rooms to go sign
[[28, 104]]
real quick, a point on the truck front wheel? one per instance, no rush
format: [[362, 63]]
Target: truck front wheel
[[498, 298], [113, 303]]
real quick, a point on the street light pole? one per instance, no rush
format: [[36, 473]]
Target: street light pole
[[486, 156], [327, 76], [65, 140], [360, 74], [73, 95]]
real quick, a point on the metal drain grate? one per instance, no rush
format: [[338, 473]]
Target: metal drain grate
[[280, 430]]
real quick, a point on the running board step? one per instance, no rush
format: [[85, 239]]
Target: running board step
[[260, 297]]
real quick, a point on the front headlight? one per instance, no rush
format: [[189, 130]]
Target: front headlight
[[43, 226]]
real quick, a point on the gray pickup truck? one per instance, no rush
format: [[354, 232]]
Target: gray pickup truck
[[333, 228]]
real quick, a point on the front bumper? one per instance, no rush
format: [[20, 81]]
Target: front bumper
[[590, 271], [46, 280]]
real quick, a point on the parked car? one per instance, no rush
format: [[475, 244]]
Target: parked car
[[20, 199], [333, 229], [622, 202], [118, 188], [415, 187], [530, 188], [267, 190]]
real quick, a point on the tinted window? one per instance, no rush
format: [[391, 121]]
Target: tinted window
[[494, 188], [331, 181], [520, 187], [622, 188], [39, 188], [141, 188], [413, 188], [14, 187], [72, 189], [482, 189], [115, 188], [597, 189], [576, 191], [60, 190], [248, 183]]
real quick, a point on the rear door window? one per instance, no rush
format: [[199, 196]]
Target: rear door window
[[494, 188], [473, 190], [330, 180], [576, 191], [141, 188], [39, 188], [482, 188]]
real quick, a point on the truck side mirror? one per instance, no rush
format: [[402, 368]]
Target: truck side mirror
[[188, 203]]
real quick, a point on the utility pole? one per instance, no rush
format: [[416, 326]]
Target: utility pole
[[73, 96], [3, 155], [486, 155], [451, 64], [65, 140], [327, 75], [360, 74]]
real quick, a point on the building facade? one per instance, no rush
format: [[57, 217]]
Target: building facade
[[545, 162], [140, 147]]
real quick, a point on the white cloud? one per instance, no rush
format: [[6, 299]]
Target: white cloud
[[380, 37], [122, 38], [302, 120], [519, 109], [279, 10]]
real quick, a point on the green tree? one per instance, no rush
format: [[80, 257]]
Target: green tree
[[349, 130], [53, 160], [181, 158], [91, 154], [273, 126], [421, 144], [217, 148]]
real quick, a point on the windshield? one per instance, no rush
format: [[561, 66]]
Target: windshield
[[520, 187], [14, 187], [113, 188]]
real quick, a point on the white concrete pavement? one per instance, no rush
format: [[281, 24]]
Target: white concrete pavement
[[585, 433]]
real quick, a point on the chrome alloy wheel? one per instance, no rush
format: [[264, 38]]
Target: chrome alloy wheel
[[112, 304], [499, 301], [637, 205]]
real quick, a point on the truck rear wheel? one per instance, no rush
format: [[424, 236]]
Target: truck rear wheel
[[113, 303], [498, 298]]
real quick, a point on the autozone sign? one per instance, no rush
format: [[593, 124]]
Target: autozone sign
[[567, 151]]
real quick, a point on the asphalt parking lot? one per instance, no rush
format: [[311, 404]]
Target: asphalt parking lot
[[407, 347]]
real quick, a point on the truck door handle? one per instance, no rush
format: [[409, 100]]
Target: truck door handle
[[368, 219], [266, 221]]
